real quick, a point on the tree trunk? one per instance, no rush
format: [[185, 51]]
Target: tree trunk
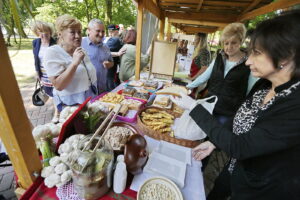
[[108, 13]]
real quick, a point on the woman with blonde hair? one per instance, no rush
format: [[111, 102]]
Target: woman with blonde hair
[[69, 69], [227, 75], [44, 33]]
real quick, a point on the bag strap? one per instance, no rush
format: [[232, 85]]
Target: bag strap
[[87, 72], [199, 101]]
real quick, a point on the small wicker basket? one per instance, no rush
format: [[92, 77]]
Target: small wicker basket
[[157, 135]]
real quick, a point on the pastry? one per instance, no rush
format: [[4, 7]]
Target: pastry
[[128, 91], [141, 95], [157, 120], [132, 104], [112, 98], [136, 83], [162, 101], [173, 90], [151, 85], [124, 109]]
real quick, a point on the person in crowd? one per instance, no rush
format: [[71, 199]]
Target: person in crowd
[[68, 67], [122, 32], [99, 53], [264, 137], [114, 45], [201, 56], [127, 65], [44, 33], [227, 75]]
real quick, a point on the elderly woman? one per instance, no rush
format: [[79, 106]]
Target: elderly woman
[[40, 45], [265, 135], [127, 64], [69, 69], [227, 75]]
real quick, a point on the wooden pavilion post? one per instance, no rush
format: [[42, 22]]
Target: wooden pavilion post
[[162, 28], [15, 128], [139, 39], [169, 34]]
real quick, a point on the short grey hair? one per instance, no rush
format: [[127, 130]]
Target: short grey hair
[[94, 21]]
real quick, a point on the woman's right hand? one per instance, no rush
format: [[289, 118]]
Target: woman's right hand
[[78, 56], [203, 150]]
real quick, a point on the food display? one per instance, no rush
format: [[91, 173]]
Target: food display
[[136, 83], [141, 95], [91, 172], [173, 90], [117, 136], [112, 98], [132, 104], [151, 85], [177, 109], [158, 188], [158, 120], [162, 101], [129, 91], [157, 192]]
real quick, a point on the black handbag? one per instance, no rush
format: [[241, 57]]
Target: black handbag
[[39, 97]]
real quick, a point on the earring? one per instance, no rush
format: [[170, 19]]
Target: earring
[[281, 66]]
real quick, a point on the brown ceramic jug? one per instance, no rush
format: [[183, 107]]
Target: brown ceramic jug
[[135, 154]]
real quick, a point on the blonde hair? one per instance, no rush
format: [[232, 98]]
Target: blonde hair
[[64, 22], [40, 26], [237, 30], [201, 45]]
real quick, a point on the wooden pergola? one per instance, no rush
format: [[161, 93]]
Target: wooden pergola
[[190, 16], [207, 16]]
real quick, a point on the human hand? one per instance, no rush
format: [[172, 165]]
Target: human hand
[[203, 150], [122, 51], [78, 55], [107, 64], [184, 101]]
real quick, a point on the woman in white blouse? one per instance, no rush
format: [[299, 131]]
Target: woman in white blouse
[[69, 69]]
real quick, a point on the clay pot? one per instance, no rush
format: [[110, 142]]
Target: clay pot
[[135, 154]]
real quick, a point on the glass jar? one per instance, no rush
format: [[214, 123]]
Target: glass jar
[[95, 179]]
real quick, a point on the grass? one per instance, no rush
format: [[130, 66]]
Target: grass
[[23, 44]]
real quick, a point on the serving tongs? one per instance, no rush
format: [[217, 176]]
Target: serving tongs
[[115, 111]]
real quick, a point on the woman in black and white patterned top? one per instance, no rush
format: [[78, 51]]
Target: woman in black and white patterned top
[[264, 141]]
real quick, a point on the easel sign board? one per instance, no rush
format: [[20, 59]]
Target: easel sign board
[[163, 59]]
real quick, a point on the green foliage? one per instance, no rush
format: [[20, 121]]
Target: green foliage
[[254, 22], [122, 11]]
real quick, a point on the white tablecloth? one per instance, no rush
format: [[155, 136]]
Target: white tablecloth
[[194, 186]]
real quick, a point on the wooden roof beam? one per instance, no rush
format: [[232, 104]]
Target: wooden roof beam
[[252, 5], [196, 22], [280, 4], [190, 29], [214, 17], [151, 7], [199, 5]]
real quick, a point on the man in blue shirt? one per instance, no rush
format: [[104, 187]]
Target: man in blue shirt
[[99, 53]]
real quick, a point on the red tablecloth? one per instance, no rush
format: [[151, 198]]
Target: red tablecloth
[[38, 191]]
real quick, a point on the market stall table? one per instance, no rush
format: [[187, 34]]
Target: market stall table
[[192, 190]]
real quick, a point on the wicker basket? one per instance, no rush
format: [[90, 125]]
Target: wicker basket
[[157, 135]]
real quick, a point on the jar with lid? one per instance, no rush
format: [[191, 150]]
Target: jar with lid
[[94, 180]]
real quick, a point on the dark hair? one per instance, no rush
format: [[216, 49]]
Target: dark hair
[[202, 35], [130, 37], [279, 38]]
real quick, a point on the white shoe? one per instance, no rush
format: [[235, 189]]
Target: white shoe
[[55, 120]]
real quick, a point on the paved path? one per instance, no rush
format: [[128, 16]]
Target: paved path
[[37, 115]]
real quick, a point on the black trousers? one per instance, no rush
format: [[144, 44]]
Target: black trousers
[[221, 189]]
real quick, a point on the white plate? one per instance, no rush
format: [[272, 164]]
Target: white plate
[[163, 181]]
